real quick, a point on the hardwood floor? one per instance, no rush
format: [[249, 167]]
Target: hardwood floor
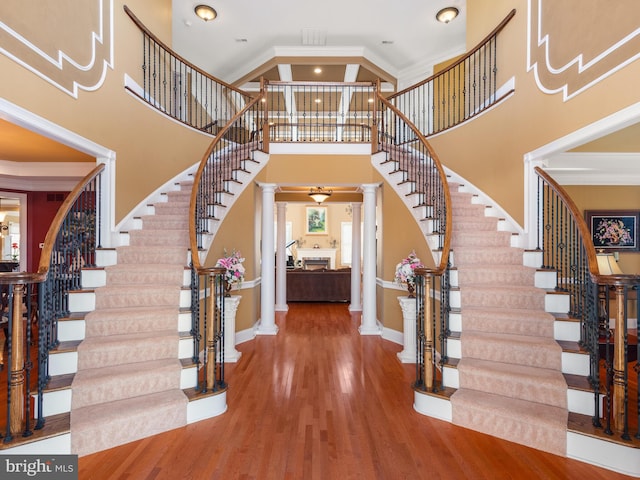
[[320, 401]]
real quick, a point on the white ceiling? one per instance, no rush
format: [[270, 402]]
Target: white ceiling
[[400, 37]]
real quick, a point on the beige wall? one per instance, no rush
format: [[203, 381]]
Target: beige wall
[[489, 151], [149, 149]]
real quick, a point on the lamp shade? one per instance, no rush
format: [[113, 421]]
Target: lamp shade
[[205, 12], [607, 264], [319, 194], [447, 14]]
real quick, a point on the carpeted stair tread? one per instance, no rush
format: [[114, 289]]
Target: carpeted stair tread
[[143, 295], [111, 383], [508, 321], [152, 254], [481, 239], [512, 296], [528, 423], [119, 321], [170, 222], [524, 382], [516, 349], [103, 426], [464, 225], [163, 237], [464, 256], [130, 274], [496, 274], [95, 352]]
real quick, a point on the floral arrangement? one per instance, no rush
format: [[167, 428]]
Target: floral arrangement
[[405, 269], [234, 269], [612, 232], [15, 248]]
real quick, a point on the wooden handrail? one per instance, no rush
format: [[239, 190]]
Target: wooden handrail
[[494, 32], [444, 259], [56, 224], [193, 237], [148, 32]]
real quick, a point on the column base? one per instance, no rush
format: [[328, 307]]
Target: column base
[[369, 330], [267, 330], [232, 357], [282, 308], [355, 308], [407, 357]]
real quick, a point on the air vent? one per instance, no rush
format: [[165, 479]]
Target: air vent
[[314, 36]]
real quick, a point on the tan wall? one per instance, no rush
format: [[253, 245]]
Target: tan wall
[[489, 151], [149, 149]]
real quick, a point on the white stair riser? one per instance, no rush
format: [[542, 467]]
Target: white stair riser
[[568, 331], [556, 303], [581, 402], [70, 330], [184, 322], [455, 299], [185, 347], [58, 445], [455, 322], [63, 363], [54, 403], [207, 407], [104, 258], [93, 278], [188, 377], [450, 377], [602, 453], [82, 302], [545, 279], [575, 363], [532, 259], [436, 407], [454, 348]]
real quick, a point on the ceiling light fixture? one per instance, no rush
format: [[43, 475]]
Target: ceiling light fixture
[[317, 70], [205, 12], [319, 194], [447, 14]]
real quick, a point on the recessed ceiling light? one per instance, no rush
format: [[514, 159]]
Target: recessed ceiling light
[[317, 70], [317, 100]]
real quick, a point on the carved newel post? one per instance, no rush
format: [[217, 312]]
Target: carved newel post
[[231, 355], [408, 306]]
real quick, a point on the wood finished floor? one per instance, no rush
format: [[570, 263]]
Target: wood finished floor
[[319, 401]]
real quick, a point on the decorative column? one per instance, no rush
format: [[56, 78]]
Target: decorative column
[[281, 258], [369, 325], [408, 306], [231, 355], [267, 324], [356, 253]]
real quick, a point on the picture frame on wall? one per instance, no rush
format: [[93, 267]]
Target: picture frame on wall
[[614, 230], [316, 221]]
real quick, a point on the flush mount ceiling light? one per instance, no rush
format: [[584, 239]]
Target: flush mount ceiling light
[[205, 12], [447, 14], [319, 194]]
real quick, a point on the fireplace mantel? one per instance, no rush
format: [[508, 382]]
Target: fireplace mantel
[[329, 253]]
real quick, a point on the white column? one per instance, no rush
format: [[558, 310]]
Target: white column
[[281, 258], [408, 306], [267, 324], [356, 253], [231, 355], [369, 325]]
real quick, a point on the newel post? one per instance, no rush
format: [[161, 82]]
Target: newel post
[[619, 360], [17, 373], [211, 313]]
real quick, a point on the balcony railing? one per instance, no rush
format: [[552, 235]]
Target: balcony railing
[[461, 91]]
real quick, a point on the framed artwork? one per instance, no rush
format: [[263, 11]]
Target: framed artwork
[[614, 230], [316, 223]]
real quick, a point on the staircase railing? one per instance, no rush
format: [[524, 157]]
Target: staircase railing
[[567, 248], [180, 89], [464, 89], [219, 168], [70, 244], [423, 172]]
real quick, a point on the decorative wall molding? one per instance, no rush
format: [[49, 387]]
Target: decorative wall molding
[[607, 34], [80, 59]]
